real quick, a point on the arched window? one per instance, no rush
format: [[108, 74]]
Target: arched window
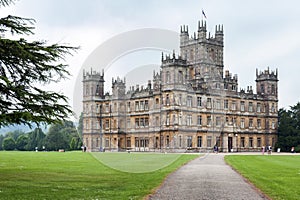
[[168, 77]]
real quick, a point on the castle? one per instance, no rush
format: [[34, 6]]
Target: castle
[[190, 105]]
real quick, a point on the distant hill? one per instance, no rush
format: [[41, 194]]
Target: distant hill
[[21, 127]]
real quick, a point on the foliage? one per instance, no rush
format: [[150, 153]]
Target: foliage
[[26, 67], [9, 144], [21, 143], [80, 124], [276, 176], [74, 175], [35, 139], [60, 135], [14, 134], [1, 141], [289, 128]]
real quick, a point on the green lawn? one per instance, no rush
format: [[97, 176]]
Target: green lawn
[[76, 175], [276, 176]]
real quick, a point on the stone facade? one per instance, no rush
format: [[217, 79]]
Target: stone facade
[[190, 105]]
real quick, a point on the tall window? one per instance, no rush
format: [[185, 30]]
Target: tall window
[[199, 101], [258, 109], [146, 105], [180, 99], [180, 77], [199, 120], [199, 141], [128, 123], [218, 121], [273, 108], [128, 106], [189, 101], [209, 141], [242, 123], [189, 141], [242, 106], [142, 105], [242, 141], [168, 77], [258, 142], [250, 108], [137, 122], [250, 123], [258, 123], [136, 106], [273, 125], [233, 105], [250, 141], [167, 99], [226, 104], [208, 103], [156, 103], [208, 121], [189, 120], [218, 104], [168, 119]]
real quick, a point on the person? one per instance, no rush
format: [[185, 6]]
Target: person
[[263, 150], [293, 150], [216, 149], [84, 148], [269, 149]]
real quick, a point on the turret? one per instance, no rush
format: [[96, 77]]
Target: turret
[[219, 33], [202, 29], [118, 88], [266, 83], [184, 34], [93, 84]]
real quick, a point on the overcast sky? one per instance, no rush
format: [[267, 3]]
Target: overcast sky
[[258, 34]]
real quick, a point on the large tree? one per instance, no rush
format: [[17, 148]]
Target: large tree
[[25, 68]]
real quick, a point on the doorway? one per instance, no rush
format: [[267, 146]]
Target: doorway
[[229, 144]]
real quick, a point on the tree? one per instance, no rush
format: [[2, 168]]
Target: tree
[[60, 136], [80, 125], [26, 66], [9, 144], [289, 128], [35, 139], [1, 141], [21, 142]]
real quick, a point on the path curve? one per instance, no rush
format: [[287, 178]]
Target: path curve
[[206, 178]]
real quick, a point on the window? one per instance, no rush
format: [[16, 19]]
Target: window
[[242, 123], [233, 105], [258, 109], [258, 142], [208, 103], [258, 123], [273, 89], [167, 100], [218, 104], [180, 141], [199, 120], [137, 142], [180, 77], [128, 123], [189, 120], [136, 106], [242, 106], [262, 88], [199, 141], [128, 143], [106, 142], [226, 104], [106, 124], [273, 108], [142, 105], [250, 107], [189, 101], [273, 125], [156, 121], [189, 141], [137, 122], [168, 141], [167, 77], [146, 105], [128, 106], [142, 122], [208, 120], [157, 103], [107, 108], [168, 119], [250, 141], [199, 101], [180, 99], [250, 123], [218, 121], [208, 141], [242, 141], [218, 141]]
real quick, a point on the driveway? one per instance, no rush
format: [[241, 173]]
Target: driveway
[[206, 177]]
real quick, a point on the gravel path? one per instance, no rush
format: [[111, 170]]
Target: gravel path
[[207, 178]]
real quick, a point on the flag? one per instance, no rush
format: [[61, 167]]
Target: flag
[[203, 13]]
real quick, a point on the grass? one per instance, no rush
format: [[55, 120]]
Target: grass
[[74, 175], [276, 176]]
